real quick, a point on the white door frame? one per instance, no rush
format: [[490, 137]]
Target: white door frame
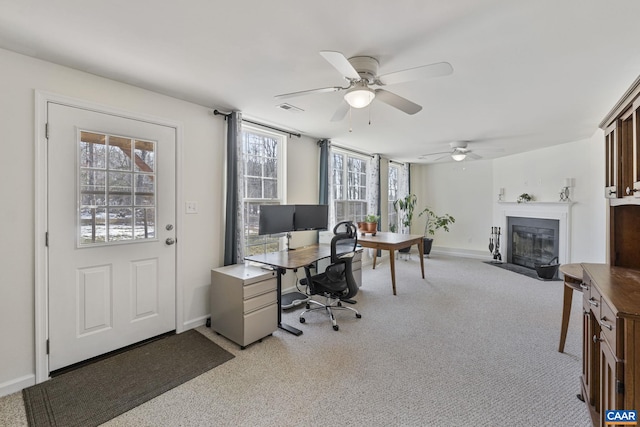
[[41, 211]]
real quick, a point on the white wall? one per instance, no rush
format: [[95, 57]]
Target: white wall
[[463, 190], [468, 191], [542, 172]]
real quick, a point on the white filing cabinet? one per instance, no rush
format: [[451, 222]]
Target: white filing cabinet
[[244, 303]]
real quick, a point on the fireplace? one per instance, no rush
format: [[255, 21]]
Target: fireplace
[[559, 213], [532, 240]]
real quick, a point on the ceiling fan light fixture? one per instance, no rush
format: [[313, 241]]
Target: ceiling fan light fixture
[[359, 96], [458, 157]]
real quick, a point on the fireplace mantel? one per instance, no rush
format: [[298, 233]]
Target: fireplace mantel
[[546, 210]]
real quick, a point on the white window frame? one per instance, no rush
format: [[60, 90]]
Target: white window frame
[[392, 196], [357, 216], [254, 245]]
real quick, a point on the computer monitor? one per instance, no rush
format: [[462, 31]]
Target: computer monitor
[[275, 219], [311, 217]]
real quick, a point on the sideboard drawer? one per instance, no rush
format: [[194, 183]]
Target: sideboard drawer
[[608, 324]]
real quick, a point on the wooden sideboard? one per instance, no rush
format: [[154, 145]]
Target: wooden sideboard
[[611, 339]]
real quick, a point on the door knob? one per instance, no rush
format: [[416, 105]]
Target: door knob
[[170, 241]]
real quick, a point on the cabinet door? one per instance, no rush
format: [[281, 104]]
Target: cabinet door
[[626, 156], [636, 148], [610, 398], [611, 161]]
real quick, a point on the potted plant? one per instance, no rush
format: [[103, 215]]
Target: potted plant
[[405, 207], [434, 222], [369, 225]]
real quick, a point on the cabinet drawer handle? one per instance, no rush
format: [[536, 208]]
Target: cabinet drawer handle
[[596, 340], [605, 324], [584, 287], [612, 192], [593, 302]]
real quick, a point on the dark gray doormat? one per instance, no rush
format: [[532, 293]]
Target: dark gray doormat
[[520, 270], [95, 393]]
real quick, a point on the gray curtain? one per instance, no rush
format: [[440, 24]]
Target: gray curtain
[[323, 192], [233, 212]]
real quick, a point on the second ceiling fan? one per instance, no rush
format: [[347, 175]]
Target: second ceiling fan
[[364, 83]]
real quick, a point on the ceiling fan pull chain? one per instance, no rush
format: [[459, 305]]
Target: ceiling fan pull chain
[[350, 122]]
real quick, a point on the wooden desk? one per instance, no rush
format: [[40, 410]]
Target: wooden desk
[[572, 281], [290, 260], [392, 242]]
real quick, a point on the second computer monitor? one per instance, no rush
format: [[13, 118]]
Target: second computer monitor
[[311, 217]]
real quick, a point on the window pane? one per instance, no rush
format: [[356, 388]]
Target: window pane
[[119, 153], [145, 156], [119, 189], [254, 188], [145, 226], [92, 225], [270, 189], [120, 226], [92, 187], [253, 166], [92, 150], [144, 190]]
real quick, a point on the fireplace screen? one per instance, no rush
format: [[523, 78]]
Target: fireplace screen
[[532, 241]]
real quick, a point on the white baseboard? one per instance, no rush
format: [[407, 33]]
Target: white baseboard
[[464, 253], [17, 384], [194, 323]]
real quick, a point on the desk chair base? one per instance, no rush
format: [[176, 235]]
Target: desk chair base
[[330, 305]]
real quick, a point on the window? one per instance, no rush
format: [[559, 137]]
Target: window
[[394, 173], [263, 184], [349, 173], [117, 191]]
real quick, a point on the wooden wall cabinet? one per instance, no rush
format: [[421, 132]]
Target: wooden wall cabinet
[[611, 339], [622, 146]]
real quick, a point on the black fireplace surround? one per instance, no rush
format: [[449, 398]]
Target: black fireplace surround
[[532, 240]]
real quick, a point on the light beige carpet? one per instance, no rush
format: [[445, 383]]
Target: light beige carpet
[[472, 345]]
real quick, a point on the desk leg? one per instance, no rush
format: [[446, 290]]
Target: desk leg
[[375, 257], [566, 311], [281, 325], [393, 270], [421, 252]]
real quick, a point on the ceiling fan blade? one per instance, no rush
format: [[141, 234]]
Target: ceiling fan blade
[[446, 156], [433, 154], [306, 92], [417, 73], [473, 155], [340, 63], [397, 101], [342, 111]]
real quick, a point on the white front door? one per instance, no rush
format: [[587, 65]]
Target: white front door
[[111, 216]]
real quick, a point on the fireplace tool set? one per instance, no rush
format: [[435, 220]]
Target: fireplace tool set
[[494, 244]]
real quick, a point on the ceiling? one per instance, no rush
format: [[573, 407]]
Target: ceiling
[[527, 74]]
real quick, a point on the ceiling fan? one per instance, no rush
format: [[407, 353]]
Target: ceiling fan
[[458, 152], [364, 83]]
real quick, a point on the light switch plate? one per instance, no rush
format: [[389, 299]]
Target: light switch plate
[[191, 207]]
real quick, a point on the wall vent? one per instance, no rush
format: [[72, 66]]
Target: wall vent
[[289, 107]]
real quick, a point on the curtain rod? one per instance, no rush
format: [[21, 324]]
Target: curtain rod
[[362, 153], [226, 115]]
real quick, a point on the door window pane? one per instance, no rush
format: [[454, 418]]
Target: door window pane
[[117, 191]]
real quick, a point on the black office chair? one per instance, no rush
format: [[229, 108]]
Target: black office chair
[[337, 283]]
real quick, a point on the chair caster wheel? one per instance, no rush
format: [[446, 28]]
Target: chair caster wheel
[[336, 327], [339, 304], [302, 320], [358, 315], [308, 306]]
